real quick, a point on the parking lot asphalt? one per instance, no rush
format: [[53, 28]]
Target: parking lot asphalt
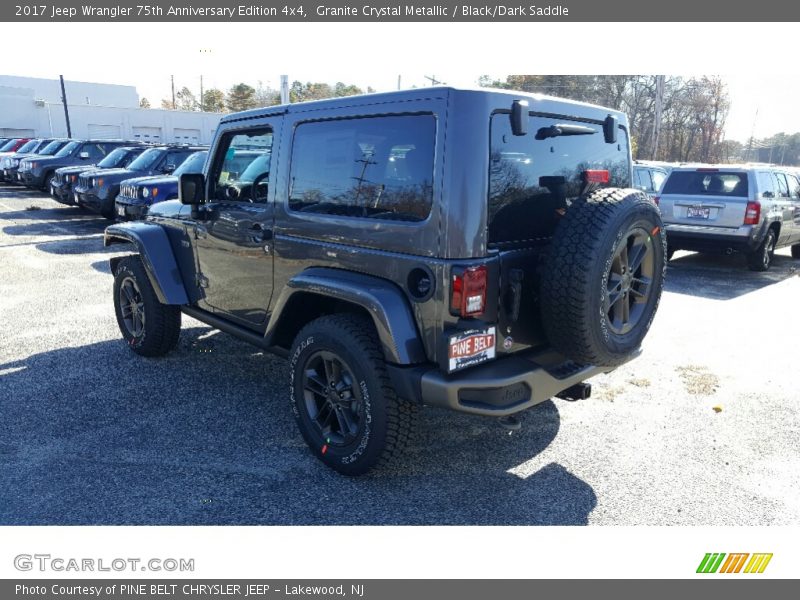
[[702, 429]]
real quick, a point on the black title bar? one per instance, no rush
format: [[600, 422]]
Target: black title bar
[[392, 11]]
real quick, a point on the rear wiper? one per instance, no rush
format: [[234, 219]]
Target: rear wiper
[[563, 129]]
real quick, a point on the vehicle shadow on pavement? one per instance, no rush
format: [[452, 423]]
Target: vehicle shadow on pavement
[[84, 226], [720, 277], [97, 435]]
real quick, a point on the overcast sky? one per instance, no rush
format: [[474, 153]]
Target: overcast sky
[[375, 54]]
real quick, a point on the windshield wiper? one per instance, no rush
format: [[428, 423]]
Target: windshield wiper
[[563, 129]]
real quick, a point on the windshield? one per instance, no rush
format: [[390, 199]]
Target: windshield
[[147, 159], [67, 150], [114, 159], [28, 146], [52, 147], [8, 145], [259, 166], [193, 164]]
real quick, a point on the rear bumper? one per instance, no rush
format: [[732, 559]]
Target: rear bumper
[[498, 388], [713, 239]]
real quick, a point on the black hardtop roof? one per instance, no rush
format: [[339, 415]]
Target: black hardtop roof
[[435, 92]]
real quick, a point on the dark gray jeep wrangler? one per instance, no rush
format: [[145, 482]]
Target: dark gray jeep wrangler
[[475, 250]]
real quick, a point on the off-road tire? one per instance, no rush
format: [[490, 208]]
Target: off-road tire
[[47, 181], [162, 323], [385, 422], [576, 275], [761, 258]]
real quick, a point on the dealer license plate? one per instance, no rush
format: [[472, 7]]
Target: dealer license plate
[[694, 212], [468, 348]]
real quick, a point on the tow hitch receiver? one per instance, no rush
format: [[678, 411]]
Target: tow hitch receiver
[[579, 391]]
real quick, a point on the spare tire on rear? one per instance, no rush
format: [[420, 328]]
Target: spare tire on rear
[[603, 276]]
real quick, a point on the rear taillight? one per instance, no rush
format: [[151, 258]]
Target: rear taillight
[[596, 176], [468, 297], [752, 214]]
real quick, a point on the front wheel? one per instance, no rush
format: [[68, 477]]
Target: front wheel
[[149, 327], [761, 258], [342, 398], [48, 183]]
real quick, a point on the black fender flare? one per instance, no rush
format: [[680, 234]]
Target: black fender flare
[[383, 301], [152, 245]]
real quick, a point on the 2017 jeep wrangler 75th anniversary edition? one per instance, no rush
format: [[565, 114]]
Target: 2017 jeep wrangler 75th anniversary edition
[[477, 250]]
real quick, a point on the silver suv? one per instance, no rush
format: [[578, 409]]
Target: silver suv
[[748, 209]]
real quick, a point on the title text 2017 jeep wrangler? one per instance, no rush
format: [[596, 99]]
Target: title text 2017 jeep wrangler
[[476, 250]]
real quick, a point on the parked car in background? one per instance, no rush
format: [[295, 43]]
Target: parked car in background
[[138, 194], [9, 165], [725, 208], [11, 146], [97, 190], [649, 178], [66, 177], [38, 173]]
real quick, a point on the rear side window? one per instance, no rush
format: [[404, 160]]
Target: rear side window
[[531, 180], [704, 183], [658, 179], [374, 167], [766, 184], [641, 179]]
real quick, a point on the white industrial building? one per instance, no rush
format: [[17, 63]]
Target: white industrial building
[[32, 107]]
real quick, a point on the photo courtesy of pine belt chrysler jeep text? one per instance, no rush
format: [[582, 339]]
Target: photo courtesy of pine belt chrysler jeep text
[[482, 251]]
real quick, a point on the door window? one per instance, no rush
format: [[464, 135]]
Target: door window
[[782, 187], [232, 177]]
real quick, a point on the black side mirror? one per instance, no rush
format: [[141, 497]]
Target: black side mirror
[[191, 188], [610, 126], [83, 155], [168, 168], [519, 117]]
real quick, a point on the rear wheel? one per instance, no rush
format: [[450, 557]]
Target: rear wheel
[[761, 258], [602, 280], [341, 396]]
